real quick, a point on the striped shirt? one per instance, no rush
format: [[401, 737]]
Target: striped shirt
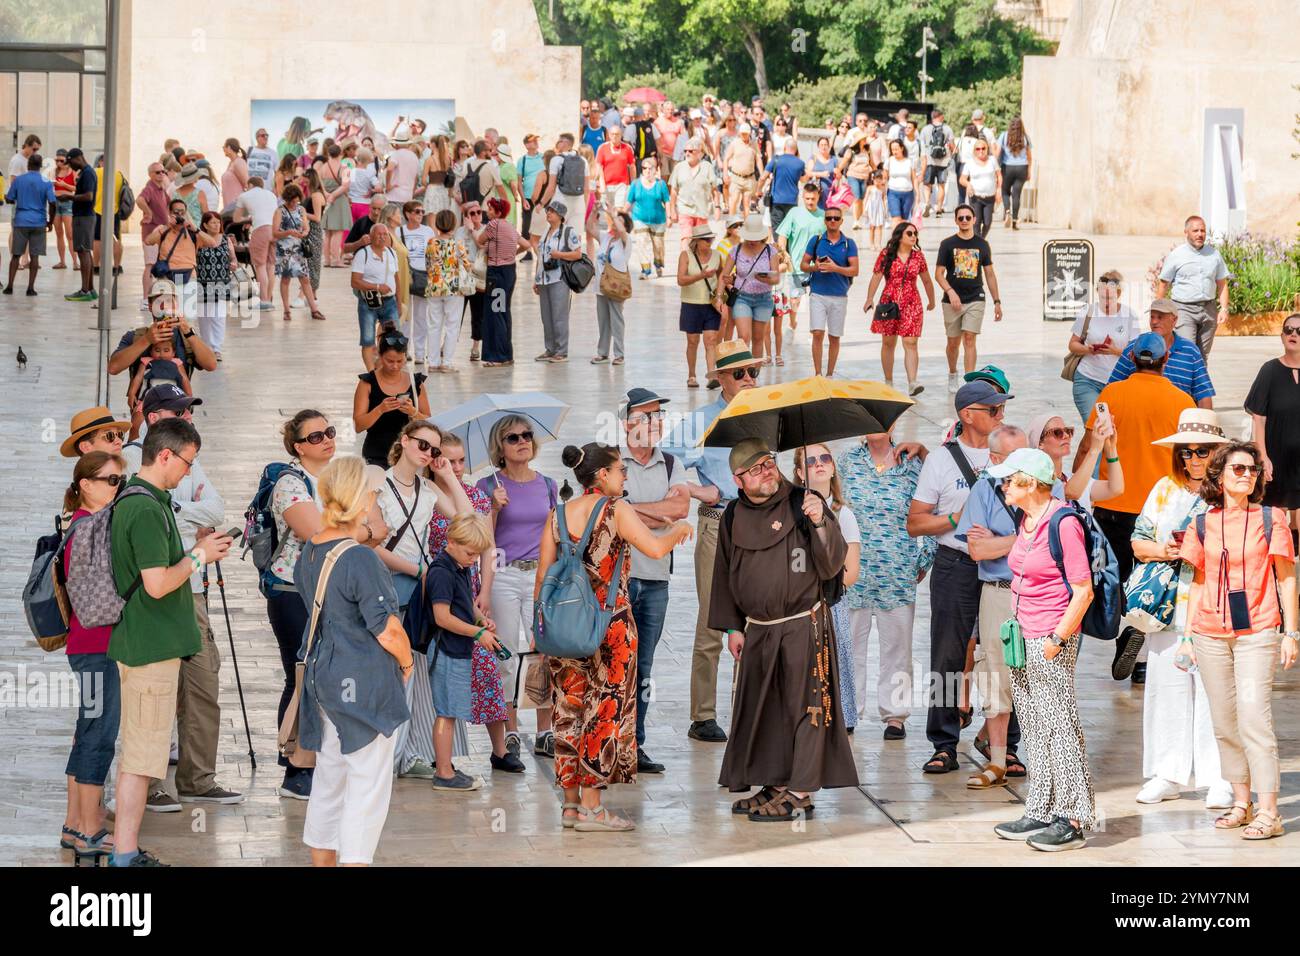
[[1185, 368], [502, 242]]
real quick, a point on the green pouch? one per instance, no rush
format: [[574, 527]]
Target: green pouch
[[1013, 644]]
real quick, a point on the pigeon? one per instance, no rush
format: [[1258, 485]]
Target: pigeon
[[22, 357]]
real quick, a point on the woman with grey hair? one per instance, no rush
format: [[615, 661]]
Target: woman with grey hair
[[561, 243]]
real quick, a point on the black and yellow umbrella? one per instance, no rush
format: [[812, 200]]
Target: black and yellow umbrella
[[807, 412]]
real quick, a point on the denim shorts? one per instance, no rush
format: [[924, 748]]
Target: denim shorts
[[98, 713], [368, 317], [750, 305], [449, 684], [900, 204], [857, 186], [65, 207]]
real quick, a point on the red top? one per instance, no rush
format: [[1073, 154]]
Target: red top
[[84, 640], [901, 287], [614, 163]]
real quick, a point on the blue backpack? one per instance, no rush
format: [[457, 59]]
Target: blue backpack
[[260, 534], [568, 621], [1101, 620]]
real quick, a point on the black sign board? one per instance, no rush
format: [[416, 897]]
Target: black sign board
[[1067, 278], [886, 110]]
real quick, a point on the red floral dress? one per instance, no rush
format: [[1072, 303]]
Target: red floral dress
[[901, 287], [595, 699]]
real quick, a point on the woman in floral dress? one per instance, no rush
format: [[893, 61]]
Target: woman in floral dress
[[900, 264], [594, 699], [288, 231]]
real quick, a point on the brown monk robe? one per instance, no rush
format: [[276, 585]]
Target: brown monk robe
[[786, 727]]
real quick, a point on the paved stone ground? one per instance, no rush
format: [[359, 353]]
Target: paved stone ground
[[897, 816]]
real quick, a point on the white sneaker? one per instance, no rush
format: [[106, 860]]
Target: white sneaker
[[298, 303], [954, 381], [1219, 797], [1157, 789]]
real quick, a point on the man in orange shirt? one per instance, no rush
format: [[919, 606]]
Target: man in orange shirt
[[1144, 407]]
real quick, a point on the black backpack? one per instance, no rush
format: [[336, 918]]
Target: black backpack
[[832, 588], [938, 143], [572, 180], [470, 190]]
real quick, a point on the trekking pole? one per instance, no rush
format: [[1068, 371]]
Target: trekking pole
[[221, 586]]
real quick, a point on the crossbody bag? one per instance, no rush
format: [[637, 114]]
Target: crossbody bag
[[1070, 367], [419, 284], [733, 292]]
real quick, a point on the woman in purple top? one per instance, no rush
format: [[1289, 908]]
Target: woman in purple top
[[522, 501], [752, 271]]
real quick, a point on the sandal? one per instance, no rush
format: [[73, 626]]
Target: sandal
[[67, 837], [941, 762], [1239, 814], [966, 715], [318, 316], [786, 806], [98, 845], [566, 821], [287, 316], [988, 778], [982, 748], [692, 382], [1266, 825], [750, 804], [1014, 766], [599, 820], [780, 360]]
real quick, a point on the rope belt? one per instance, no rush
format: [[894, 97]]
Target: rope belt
[[782, 620]]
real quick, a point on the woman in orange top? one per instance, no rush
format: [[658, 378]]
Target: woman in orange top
[[1245, 560]]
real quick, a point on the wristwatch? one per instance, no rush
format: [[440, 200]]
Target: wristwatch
[[1055, 640], [1294, 635], [997, 301], [188, 335]]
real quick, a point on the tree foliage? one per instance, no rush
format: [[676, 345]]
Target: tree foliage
[[999, 99]]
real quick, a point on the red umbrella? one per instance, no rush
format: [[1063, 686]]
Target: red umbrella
[[644, 94]]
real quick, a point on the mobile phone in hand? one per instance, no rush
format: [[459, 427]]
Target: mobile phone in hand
[[1103, 412], [236, 533]]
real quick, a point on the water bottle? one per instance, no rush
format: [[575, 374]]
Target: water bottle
[[1184, 662]]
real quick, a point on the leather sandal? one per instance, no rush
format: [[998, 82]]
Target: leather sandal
[[786, 806], [597, 819], [318, 315], [1015, 768], [1239, 814], [750, 804], [988, 778], [1266, 825], [941, 762], [569, 822]]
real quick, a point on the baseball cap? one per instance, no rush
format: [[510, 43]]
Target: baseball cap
[[636, 397], [991, 374], [1168, 306], [1149, 346], [1026, 461], [747, 453], [639, 111], [980, 392], [169, 397]]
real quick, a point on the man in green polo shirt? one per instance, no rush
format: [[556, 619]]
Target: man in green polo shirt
[[157, 626], [797, 230]]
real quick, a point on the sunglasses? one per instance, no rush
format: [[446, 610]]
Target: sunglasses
[[834, 219], [514, 438], [1291, 330], [1242, 470], [823, 459], [315, 438], [1059, 433], [395, 340], [428, 446], [910, 232], [1186, 453], [740, 373], [767, 464], [994, 411], [113, 437], [965, 218], [111, 480]]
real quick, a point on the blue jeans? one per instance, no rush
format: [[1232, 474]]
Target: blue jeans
[[900, 204], [649, 608], [98, 713], [1085, 392], [367, 317]]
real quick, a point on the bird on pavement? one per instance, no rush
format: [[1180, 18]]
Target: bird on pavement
[[22, 357]]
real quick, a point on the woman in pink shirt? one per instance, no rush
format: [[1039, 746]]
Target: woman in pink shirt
[[1048, 608], [235, 179]]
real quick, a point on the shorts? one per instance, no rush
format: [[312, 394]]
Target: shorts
[[857, 186], [935, 175], [755, 306], [900, 203], [368, 317], [83, 233], [992, 676], [688, 224], [696, 318], [117, 226], [98, 714], [450, 683], [743, 184], [64, 207], [970, 318], [29, 240], [827, 312], [148, 712]]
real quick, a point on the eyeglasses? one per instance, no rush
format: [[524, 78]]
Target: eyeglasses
[[1058, 433], [428, 446], [188, 464], [642, 417], [740, 373], [111, 480], [1291, 330], [823, 459], [1186, 453], [514, 438], [1242, 470], [993, 411], [757, 471], [965, 218], [315, 438]]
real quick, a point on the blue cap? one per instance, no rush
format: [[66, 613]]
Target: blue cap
[[979, 391], [1149, 346]]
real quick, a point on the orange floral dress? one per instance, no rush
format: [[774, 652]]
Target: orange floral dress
[[595, 699]]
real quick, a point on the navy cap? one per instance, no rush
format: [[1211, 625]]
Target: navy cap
[[636, 397], [167, 397], [1149, 346], [980, 392]]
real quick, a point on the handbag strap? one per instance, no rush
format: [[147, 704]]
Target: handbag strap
[[700, 268], [585, 540], [319, 598], [175, 242], [391, 543]]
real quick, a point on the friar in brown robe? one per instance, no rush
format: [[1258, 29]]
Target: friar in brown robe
[[787, 735]]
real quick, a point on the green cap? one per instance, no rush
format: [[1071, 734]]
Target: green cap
[[1026, 461], [991, 374]]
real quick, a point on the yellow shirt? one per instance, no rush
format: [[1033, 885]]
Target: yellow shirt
[[99, 193]]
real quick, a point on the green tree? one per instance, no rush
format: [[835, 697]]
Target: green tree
[[726, 20], [999, 99]]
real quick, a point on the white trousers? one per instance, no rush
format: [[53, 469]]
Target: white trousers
[[212, 323], [1177, 734], [445, 313], [512, 609], [894, 680], [419, 327], [349, 796]]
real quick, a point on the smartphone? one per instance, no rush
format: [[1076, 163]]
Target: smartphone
[[236, 532], [1103, 411], [823, 258]]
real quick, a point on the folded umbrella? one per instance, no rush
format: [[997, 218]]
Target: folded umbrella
[[807, 412], [474, 420]]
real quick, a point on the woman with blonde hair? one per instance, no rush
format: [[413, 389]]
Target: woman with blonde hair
[[591, 216], [358, 641], [434, 192], [363, 184]]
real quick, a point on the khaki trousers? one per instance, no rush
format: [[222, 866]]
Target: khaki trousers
[[708, 642], [1238, 677], [198, 713]]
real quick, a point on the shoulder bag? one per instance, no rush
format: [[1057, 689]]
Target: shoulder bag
[[162, 267], [1070, 366], [419, 285], [289, 727], [615, 284], [733, 292]]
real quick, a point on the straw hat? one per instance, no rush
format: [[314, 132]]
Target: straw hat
[[189, 174], [87, 422], [1196, 426], [732, 354], [702, 231], [753, 230]]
